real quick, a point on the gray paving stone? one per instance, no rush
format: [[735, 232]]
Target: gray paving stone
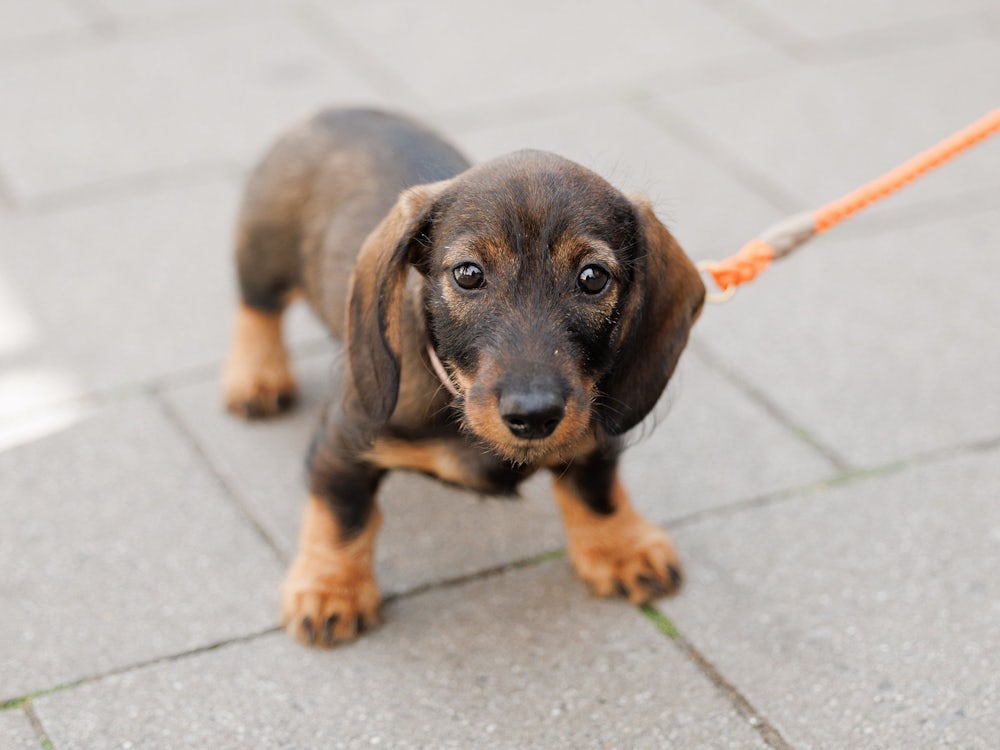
[[863, 616], [482, 665], [992, 22], [433, 532], [691, 193], [118, 547], [139, 105], [16, 732], [159, 10], [535, 48], [881, 346], [822, 131], [708, 446], [814, 22], [22, 22], [119, 292]]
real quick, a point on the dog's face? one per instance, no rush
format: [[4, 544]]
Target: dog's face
[[530, 264], [557, 304]]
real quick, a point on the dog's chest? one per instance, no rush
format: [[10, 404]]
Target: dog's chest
[[453, 459]]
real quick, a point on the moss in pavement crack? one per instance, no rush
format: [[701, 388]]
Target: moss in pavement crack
[[24, 700], [662, 622]]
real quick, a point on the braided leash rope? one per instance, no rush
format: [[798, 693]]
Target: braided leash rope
[[786, 236]]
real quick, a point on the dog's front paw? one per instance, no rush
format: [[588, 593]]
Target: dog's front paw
[[324, 602], [628, 556]]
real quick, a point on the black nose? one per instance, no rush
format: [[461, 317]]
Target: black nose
[[534, 410]]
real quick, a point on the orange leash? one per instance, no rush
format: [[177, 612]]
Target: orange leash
[[782, 238]]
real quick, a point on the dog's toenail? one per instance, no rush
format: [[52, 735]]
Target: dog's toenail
[[675, 576], [307, 625], [651, 583], [328, 627]]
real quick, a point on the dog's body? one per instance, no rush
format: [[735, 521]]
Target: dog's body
[[557, 306]]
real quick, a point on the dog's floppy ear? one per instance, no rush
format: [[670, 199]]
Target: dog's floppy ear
[[376, 297], [664, 302]]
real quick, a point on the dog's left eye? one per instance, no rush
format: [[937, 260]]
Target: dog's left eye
[[593, 279], [469, 276]]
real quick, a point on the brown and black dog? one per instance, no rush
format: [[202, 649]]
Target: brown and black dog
[[552, 307]]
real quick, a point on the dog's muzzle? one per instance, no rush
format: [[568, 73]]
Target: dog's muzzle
[[532, 407]]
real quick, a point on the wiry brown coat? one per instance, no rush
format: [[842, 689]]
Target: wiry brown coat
[[579, 304]]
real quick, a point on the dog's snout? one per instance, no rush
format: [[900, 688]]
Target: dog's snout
[[532, 409]]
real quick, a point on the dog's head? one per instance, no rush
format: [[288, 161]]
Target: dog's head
[[557, 304]]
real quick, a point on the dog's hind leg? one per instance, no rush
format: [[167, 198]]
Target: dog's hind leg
[[257, 380]]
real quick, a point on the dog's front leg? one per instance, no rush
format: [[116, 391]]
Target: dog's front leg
[[330, 593], [611, 546]]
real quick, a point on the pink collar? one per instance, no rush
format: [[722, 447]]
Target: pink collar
[[440, 371]]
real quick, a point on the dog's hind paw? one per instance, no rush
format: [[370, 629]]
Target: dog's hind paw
[[258, 397], [257, 380]]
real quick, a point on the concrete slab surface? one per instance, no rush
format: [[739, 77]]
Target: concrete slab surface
[[865, 615], [893, 345], [156, 270], [216, 95], [818, 22], [519, 660], [799, 130], [118, 547], [564, 45], [16, 731], [21, 23]]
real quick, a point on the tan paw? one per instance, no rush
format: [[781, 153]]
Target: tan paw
[[631, 557], [257, 380], [323, 604], [258, 394]]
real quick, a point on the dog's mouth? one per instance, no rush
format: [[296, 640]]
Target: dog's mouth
[[548, 434], [533, 454], [530, 453]]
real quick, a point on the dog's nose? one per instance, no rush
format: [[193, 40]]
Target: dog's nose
[[533, 411]]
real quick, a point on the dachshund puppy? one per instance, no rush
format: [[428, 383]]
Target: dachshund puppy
[[499, 319]]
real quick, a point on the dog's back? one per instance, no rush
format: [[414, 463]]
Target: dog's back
[[318, 193]]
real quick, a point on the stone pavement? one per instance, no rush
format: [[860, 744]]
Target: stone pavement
[[828, 457]]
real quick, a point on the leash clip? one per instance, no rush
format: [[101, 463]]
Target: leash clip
[[715, 298]]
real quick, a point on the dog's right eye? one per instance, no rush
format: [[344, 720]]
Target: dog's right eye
[[593, 279], [468, 276]]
